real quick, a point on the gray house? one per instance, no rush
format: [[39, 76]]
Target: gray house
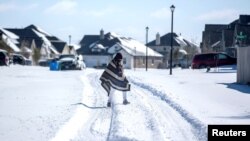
[[183, 50]]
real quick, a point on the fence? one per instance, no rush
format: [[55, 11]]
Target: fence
[[243, 65]]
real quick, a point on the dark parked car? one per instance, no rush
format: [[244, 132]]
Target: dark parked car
[[20, 59], [4, 59], [212, 60]]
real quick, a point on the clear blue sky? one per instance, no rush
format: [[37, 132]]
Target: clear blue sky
[[125, 17]]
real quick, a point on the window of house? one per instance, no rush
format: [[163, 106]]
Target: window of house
[[124, 60], [153, 61], [143, 61], [164, 49]]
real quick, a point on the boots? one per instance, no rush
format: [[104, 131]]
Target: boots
[[125, 102], [108, 104]]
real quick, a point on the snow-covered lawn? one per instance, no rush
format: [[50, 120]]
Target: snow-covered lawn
[[38, 104]]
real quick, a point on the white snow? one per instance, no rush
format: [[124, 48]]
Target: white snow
[[9, 34], [96, 46], [67, 59], [75, 46], [42, 31], [130, 45], [38, 104], [10, 39], [180, 40], [184, 52], [10, 42]]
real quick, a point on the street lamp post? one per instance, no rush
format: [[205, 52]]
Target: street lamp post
[[69, 39], [147, 48], [171, 41]]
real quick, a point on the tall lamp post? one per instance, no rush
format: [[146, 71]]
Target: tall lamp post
[[171, 41], [147, 48], [69, 39]]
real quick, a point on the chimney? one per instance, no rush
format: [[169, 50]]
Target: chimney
[[101, 34], [158, 39]]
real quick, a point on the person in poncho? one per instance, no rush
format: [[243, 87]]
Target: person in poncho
[[113, 78]]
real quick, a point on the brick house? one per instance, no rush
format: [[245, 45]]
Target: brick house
[[225, 37]]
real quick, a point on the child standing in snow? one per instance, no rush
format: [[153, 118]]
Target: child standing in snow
[[114, 78]]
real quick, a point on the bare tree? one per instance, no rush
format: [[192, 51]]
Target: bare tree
[[36, 55]]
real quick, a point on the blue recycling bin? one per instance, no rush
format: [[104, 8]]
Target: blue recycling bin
[[54, 66]]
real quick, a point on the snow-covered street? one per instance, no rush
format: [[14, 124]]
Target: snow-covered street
[[38, 104]]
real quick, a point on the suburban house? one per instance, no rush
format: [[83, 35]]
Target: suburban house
[[33, 41], [226, 37], [98, 50], [183, 50]]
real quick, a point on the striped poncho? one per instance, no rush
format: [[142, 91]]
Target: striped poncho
[[113, 77]]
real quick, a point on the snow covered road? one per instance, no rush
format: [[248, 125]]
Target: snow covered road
[[38, 104], [148, 117]]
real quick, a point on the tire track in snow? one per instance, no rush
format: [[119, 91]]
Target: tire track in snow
[[82, 124], [134, 121], [171, 125], [152, 126], [70, 129], [118, 111], [199, 128], [98, 126]]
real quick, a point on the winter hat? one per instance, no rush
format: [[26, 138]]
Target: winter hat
[[118, 56]]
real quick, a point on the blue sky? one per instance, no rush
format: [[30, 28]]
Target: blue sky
[[125, 17]]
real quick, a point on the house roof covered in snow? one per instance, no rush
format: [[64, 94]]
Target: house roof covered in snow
[[165, 40], [59, 46], [26, 34], [53, 38], [111, 43], [38, 29], [41, 37], [86, 41]]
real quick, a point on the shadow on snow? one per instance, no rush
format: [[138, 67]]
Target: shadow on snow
[[90, 107], [239, 87]]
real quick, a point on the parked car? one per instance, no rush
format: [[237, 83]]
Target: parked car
[[70, 62], [20, 59], [212, 60], [4, 58], [43, 63]]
